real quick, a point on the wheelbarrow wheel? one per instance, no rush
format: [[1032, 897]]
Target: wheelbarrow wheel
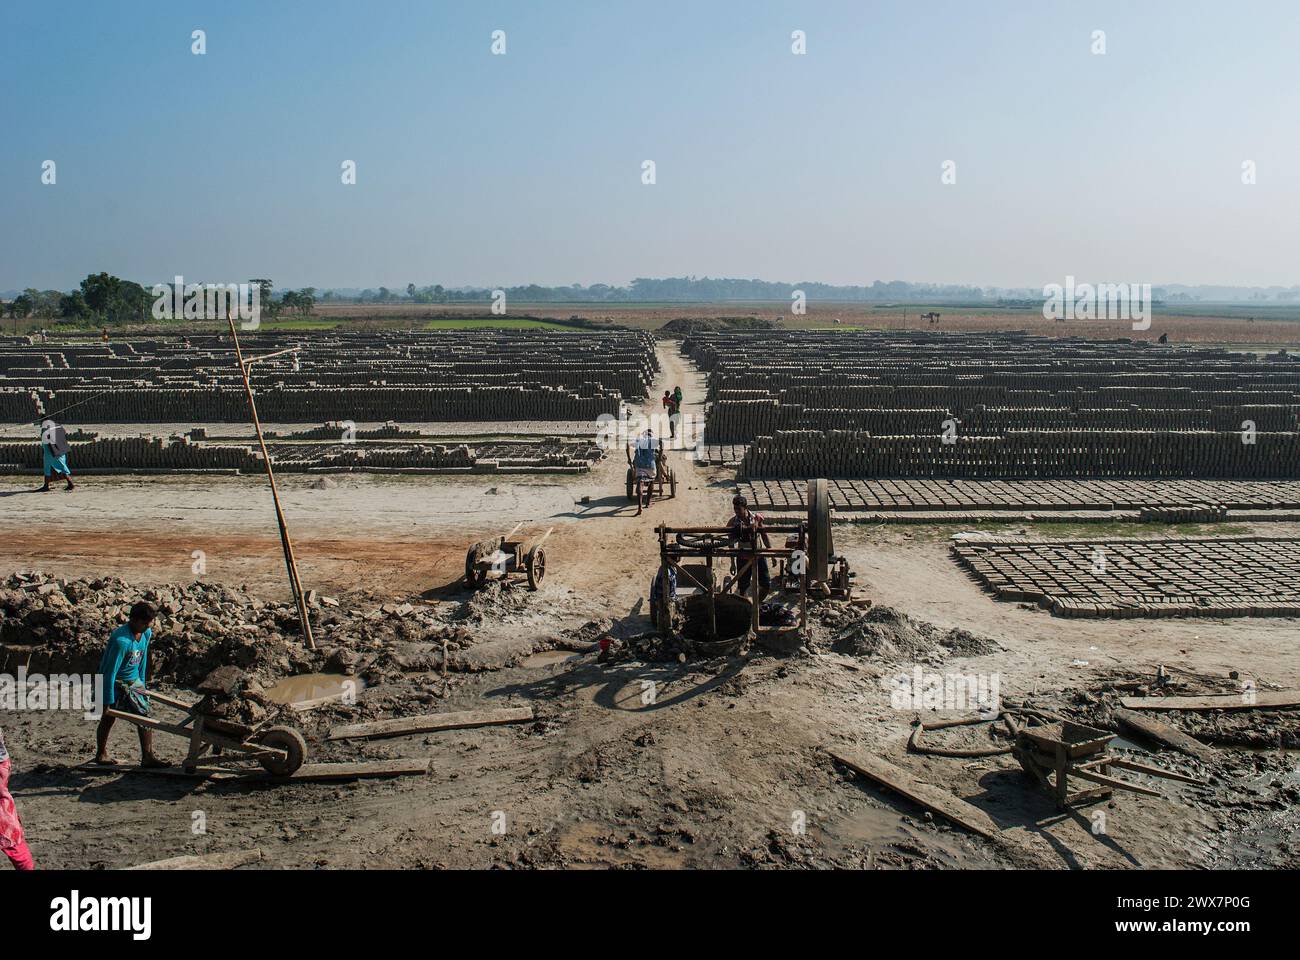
[[631, 484], [536, 567], [291, 742]]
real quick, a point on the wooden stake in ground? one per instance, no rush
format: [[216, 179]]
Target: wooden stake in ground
[[290, 563]]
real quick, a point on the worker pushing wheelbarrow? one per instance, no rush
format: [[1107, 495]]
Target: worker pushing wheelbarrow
[[279, 749], [647, 470]]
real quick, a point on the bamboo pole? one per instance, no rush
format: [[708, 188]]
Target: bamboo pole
[[290, 563]]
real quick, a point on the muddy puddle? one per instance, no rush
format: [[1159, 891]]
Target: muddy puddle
[[313, 686], [547, 658]]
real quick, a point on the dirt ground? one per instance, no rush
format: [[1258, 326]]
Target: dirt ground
[[705, 764]]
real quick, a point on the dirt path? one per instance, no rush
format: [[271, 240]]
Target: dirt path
[[399, 534]]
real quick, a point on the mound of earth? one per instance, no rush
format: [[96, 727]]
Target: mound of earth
[[54, 625], [885, 634], [684, 326]]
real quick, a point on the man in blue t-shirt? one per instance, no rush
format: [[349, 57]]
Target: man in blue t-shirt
[[124, 667]]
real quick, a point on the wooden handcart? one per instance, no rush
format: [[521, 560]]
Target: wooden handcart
[[641, 490], [502, 556]]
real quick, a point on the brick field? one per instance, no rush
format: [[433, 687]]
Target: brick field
[[1254, 576], [1008, 405]]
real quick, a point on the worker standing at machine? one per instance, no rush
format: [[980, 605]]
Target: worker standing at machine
[[748, 534]]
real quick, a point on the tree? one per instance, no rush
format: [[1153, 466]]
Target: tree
[[266, 301], [72, 306], [100, 290], [306, 300], [21, 307], [133, 302], [410, 291]]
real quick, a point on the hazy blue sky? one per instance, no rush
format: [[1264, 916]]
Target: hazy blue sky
[[494, 170]]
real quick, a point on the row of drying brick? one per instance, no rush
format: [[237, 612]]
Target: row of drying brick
[[1027, 454]]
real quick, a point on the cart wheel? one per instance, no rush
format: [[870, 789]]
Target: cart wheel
[[291, 742], [632, 493], [672, 483], [474, 577], [819, 530], [536, 567]]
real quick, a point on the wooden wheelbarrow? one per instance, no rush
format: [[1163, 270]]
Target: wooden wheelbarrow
[[280, 750], [1053, 754], [502, 556]]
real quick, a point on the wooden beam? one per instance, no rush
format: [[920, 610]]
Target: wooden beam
[[208, 861], [1111, 782], [933, 798], [428, 723], [349, 771], [1162, 733], [1153, 771], [1234, 701], [200, 773]]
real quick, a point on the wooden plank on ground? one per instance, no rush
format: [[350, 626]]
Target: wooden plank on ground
[[200, 773], [931, 797], [431, 722], [1233, 701], [350, 771], [1161, 732], [208, 861]]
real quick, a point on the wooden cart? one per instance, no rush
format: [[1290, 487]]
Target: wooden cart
[[280, 750], [641, 490], [502, 556]]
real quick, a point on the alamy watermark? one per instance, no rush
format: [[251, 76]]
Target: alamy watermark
[[678, 431], [920, 690], [59, 691], [1102, 301], [208, 301]]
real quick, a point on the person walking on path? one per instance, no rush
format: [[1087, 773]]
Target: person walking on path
[[54, 454]]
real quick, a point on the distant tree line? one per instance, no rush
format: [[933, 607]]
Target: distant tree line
[[684, 289], [104, 298], [101, 297]]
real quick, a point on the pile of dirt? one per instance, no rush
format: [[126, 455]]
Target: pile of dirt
[[885, 634], [229, 694], [199, 627], [685, 326], [57, 625]]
